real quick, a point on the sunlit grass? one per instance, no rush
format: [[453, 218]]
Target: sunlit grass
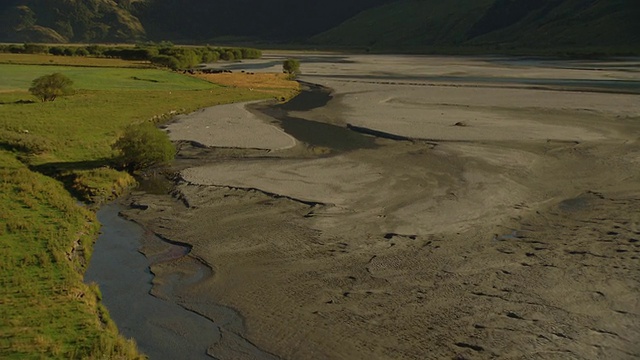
[[43, 59], [269, 83], [45, 236], [19, 77]]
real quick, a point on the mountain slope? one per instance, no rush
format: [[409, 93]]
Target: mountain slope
[[492, 24], [610, 26], [408, 23], [284, 20], [68, 21], [591, 23]]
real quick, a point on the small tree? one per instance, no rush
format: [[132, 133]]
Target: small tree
[[291, 67], [143, 145], [49, 87]]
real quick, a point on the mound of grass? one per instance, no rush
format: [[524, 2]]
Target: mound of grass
[[46, 237]]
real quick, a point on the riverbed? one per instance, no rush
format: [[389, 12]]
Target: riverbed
[[503, 220]]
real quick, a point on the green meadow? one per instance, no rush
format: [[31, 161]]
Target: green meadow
[[16, 76], [53, 154]]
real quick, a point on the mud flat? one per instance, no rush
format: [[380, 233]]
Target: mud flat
[[506, 225]]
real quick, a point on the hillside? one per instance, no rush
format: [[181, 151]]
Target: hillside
[[275, 20], [492, 25], [609, 26], [61, 21]]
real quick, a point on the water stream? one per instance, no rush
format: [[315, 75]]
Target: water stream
[[162, 329], [314, 133]]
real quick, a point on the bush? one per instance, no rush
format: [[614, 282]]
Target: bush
[[82, 52], [166, 61], [35, 49], [227, 56], [291, 67], [49, 87], [143, 145]]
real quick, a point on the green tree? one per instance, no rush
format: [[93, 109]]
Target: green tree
[[291, 67], [49, 87], [143, 145]]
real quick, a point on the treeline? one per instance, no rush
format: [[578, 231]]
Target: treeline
[[162, 54]]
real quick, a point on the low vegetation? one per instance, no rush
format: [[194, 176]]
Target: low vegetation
[[291, 67], [163, 54], [53, 154], [49, 87], [142, 146]]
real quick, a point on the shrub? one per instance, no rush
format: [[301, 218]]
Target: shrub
[[227, 55], [82, 52], [143, 145], [49, 87], [35, 49], [166, 61], [291, 67]]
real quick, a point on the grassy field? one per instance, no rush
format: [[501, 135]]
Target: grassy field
[[45, 59], [51, 150], [19, 77]]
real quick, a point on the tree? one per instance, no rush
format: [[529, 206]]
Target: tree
[[143, 145], [49, 87], [291, 67]]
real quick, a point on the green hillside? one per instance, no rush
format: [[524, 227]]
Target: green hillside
[[489, 25], [58, 21], [408, 24]]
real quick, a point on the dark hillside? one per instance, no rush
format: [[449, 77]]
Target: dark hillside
[[573, 23], [68, 21], [610, 26], [480, 26], [283, 20]]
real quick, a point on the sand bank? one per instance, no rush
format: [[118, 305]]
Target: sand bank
[[230, 126]]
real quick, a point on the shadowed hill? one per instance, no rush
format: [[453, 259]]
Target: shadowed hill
[[493, 25], [68, 21], [275, 20], [541, 26]]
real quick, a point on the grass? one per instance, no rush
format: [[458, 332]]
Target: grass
[[268, 83], [19, 77], [42, 59], [47, 311], [50, 152]]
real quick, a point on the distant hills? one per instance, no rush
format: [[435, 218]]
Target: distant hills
[[612, 26], [487, 25], [69, 21]]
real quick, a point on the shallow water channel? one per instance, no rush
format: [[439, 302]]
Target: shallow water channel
[[162, 329], [314, 133]]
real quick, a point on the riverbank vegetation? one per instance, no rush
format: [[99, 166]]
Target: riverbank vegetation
[[163, 54], [53, 154]]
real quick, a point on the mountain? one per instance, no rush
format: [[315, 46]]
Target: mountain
[[69, 21], [274, 20], [492, 25], [377, 25]]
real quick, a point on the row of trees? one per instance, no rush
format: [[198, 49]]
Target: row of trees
[[162, 54]]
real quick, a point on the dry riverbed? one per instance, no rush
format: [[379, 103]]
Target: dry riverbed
[[506, 225]]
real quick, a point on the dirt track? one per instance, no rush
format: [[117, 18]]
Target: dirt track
[[513, 234]]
